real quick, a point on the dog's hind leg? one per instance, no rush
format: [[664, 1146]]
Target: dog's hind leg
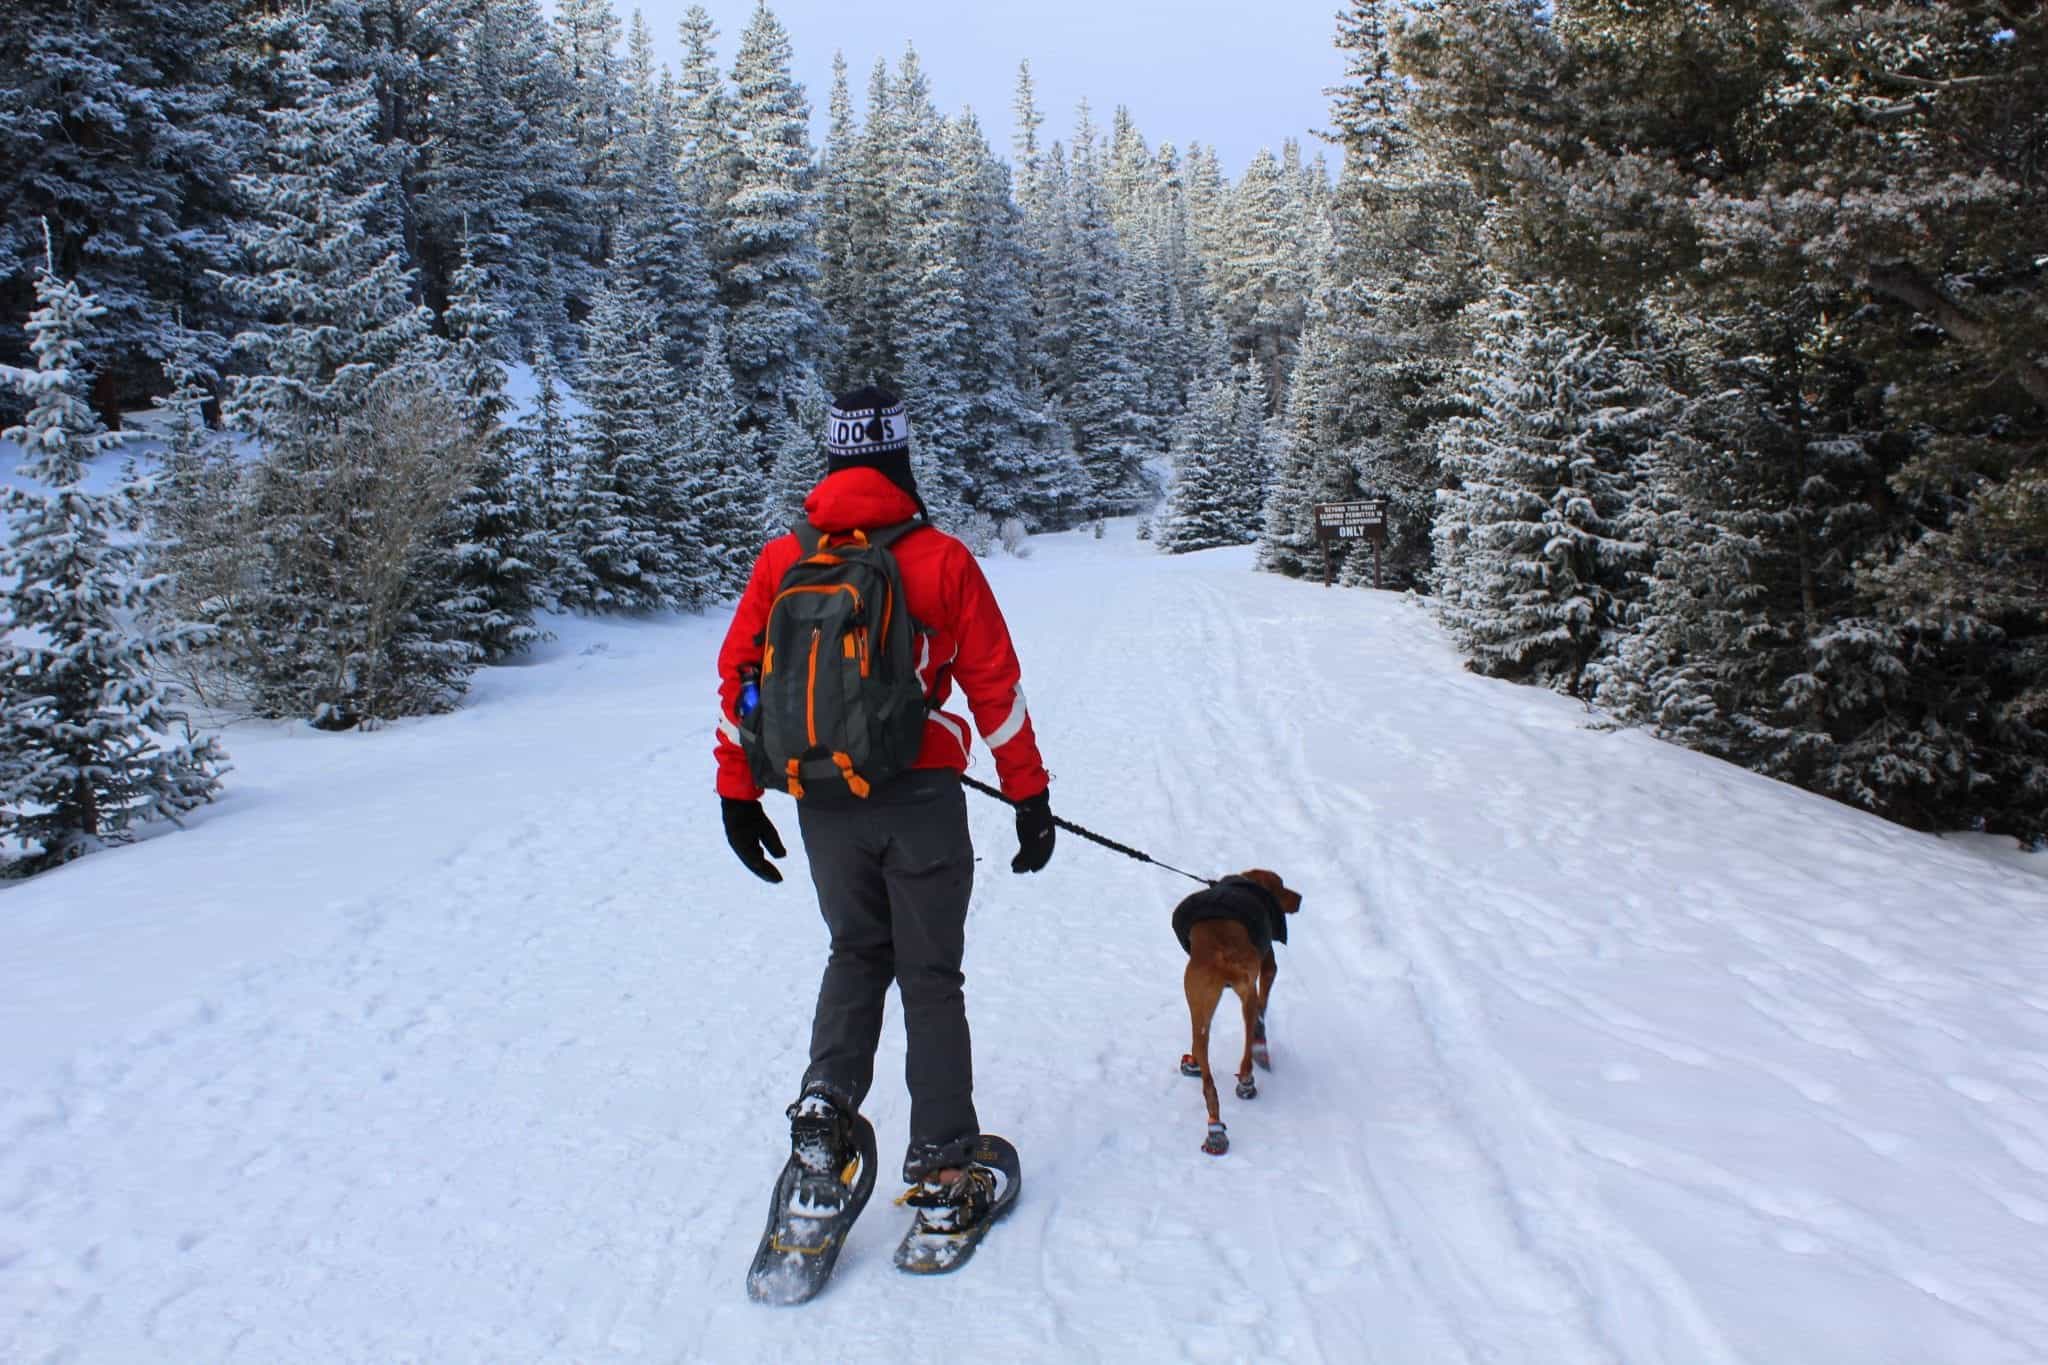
[[1268, 969], [1203, 991], [1247, 1089]]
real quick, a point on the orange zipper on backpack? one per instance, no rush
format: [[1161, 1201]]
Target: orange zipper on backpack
[[811, 690], [821, 587]]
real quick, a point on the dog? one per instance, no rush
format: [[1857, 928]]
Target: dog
[[1229, 931]]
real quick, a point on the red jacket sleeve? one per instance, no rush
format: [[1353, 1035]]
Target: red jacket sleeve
[[742, 646], [989, 675]]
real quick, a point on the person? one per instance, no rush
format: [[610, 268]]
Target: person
[[893, 870]]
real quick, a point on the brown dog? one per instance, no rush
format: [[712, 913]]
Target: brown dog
[[1229, 931]]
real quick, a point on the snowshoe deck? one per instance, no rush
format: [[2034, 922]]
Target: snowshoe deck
[[936, 1253], [800, 1245]]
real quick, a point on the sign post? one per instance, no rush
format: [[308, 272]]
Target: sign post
[[1365, 519]]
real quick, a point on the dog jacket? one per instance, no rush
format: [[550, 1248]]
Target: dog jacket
[[1238, 898]]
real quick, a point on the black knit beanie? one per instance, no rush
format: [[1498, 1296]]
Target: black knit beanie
[[867, 428]]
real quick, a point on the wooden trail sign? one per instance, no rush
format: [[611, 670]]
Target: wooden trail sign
[[1365, 519]]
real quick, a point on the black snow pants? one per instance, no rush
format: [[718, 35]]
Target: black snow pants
[[894, 873]]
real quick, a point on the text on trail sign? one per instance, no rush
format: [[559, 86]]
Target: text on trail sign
[[1365, 520]]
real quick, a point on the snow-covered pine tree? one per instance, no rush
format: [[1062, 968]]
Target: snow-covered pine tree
[[1026, 120], [705, 119], [547, 456], [1367, 109], [1410, 271], [494, 540], [116, 130], [1257, 433], [1536, 575], [646, 100], [193, 505], [470, 172], [1183, 317], [838, 280], [1861, 395], [868, 291], [768, 250], [404, 49], [1041, 195], [664, 250], [500, 169], [1127, 175], [1144, 209], [796, 461], [321, 266], [1101, 391], [621, 549], [1013, 459], [929, 188], [1197, 514], [1313, 465], [1220, 462], [1758, 643], [363, 447], [92, 747], [587, 37], [1208, 200], [1261, 274], [722, 490]]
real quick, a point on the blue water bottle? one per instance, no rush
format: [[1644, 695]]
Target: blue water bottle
[[750, 690]]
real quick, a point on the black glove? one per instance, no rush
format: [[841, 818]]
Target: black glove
[[1034, 833], [748, 829]]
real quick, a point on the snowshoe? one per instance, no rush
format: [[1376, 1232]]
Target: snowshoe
[[822, 1189], [952, 1220]]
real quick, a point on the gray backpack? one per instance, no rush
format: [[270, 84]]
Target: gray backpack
[[841, 710]]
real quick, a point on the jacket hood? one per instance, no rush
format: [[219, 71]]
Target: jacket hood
[[858, 499]]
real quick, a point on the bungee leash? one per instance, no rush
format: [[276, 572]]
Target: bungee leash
[[1090, 835]]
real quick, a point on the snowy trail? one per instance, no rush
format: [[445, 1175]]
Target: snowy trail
[[470, 1040]]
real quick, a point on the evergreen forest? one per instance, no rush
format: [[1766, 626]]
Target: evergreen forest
[[1699, 352]]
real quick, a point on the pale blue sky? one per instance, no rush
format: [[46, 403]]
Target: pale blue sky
[[1234, 75]]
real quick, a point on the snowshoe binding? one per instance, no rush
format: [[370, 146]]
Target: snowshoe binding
[[822, 1189], [952, 1219]]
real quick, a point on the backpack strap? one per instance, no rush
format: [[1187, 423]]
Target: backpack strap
[[885, 536]]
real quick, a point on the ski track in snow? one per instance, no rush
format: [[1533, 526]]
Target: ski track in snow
[[470, 1040]]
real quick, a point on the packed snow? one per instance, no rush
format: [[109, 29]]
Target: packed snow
[[468, 1039]]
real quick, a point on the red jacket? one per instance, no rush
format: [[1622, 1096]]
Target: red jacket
[[968, 643]]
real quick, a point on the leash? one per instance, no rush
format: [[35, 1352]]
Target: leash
[[1090, 835]]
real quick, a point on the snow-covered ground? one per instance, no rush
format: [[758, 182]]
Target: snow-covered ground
[[469, 1040]]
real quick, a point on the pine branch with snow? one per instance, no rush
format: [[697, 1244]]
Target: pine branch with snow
[[91, 745]]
